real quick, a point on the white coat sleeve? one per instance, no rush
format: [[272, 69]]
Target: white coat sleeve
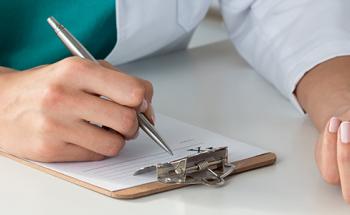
[[283, 39]]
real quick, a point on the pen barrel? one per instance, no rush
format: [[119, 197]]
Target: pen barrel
[[149, 129], [74, 46]]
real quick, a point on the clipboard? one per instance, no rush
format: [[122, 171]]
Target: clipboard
[[147, 189]]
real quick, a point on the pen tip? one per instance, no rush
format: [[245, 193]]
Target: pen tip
[[170, 152]]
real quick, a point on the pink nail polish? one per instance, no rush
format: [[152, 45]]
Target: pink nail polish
[[333, 125], [345, 132], [144, 106]]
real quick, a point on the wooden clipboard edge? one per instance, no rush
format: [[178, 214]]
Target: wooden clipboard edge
[[244, 165], [149, 188]]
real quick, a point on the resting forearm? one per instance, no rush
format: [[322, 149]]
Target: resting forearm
[[325, 90], [5, 70]]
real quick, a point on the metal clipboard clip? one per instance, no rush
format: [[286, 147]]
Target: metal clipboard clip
[[208, 167]]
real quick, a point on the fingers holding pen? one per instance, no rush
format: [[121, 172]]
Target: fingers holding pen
[[103, 79], [128, 96], [110, 82]]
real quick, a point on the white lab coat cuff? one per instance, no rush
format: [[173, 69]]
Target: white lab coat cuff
[[311, 59]]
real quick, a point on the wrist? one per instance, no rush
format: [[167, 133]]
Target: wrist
[[325, 90], [8, 82]]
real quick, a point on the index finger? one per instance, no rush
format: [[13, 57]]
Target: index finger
[[148, 85], [96, 79]]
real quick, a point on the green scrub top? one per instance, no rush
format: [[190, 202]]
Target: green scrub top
[[26, 39]]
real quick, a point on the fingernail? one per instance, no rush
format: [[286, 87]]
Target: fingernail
[[345, 132], [144, 106], [333, 125]]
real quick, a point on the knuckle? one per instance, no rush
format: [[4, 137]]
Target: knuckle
[[137, 94], [47, 127], [133, 135], [106, 64], [74, 66], [129, 122], [44, 151], [52, 96], [149, 86], [115, 146]]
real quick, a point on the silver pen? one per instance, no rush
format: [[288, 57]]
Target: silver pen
[[77, 49]]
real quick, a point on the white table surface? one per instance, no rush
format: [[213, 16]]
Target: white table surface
[[211, 87]]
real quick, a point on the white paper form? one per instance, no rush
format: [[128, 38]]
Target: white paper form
[[117, 173]]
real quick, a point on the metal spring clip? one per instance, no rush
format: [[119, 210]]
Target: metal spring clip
[[209, 167]]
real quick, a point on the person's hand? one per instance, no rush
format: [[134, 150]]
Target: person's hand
[[324, 93], [332, 153], [46, 113]]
